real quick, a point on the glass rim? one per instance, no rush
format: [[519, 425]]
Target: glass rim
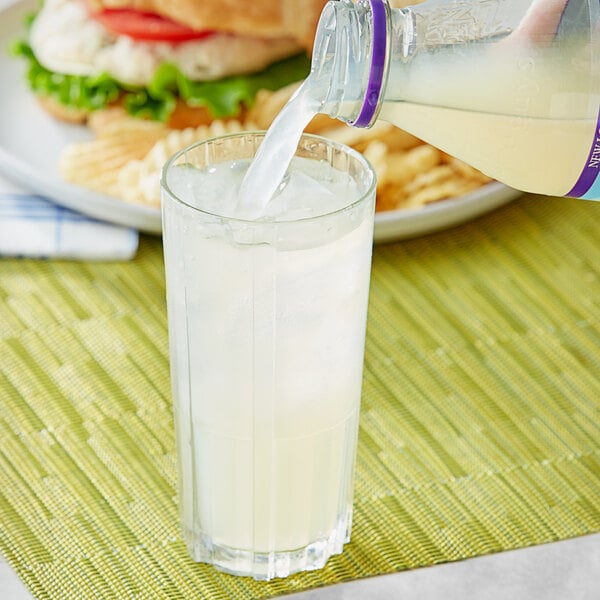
[[348, 150]]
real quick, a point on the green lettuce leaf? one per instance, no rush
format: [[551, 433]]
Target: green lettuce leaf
[[222, 98]]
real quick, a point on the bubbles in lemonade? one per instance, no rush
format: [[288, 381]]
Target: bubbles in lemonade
[[267, 379]]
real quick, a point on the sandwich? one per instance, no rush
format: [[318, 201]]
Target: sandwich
[[195, 69], [182, 62]]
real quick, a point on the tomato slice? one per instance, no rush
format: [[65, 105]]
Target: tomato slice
[[147, 26]]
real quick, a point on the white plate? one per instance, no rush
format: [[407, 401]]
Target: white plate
[[31, 141], [404, 224]]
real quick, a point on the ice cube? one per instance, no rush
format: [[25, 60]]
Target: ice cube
[[300, 196], [213, 190]]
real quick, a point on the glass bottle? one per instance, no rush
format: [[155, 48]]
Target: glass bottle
[[510, 86]]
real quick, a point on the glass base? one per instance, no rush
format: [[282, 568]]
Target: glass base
[[264, 566]]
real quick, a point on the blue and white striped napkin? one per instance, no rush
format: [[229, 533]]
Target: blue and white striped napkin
[[32, 226]]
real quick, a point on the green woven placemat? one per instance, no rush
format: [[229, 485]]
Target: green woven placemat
[[479, 427]]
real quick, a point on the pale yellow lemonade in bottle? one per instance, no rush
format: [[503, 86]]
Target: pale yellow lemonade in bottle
[[510, 86]]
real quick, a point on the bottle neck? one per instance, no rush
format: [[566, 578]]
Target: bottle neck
[[351, 59]]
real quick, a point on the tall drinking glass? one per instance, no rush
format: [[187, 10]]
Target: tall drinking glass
[[267, 328]]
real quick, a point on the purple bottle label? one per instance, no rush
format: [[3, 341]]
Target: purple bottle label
[[378, 58], [588, 184]]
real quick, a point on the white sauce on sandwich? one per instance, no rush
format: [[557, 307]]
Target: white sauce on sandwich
[[66, 40]]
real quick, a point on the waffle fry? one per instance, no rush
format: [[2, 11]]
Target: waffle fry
[[395, 139], [377, 154], [467, 171], [115, 123], [96, 164], [127, 155], [390, 197], [120, 139], [138, 180], [433, 177], [268, 104], [451, 188], [419, 176]]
